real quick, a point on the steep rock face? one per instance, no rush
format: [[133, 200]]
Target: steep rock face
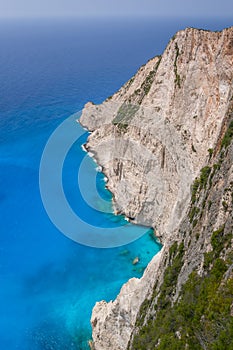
[[191, 306], [152, 138], [122, 313]]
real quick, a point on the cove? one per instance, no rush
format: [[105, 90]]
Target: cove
[[49, 70], [102, 272], [50, 282]]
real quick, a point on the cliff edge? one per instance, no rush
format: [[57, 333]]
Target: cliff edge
[[159, 138]]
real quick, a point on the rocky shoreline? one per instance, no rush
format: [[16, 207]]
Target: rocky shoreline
[[152, 139]]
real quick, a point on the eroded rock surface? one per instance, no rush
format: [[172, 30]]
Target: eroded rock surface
[[152, 138]]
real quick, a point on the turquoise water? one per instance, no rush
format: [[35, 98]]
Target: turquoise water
[[48, 70]]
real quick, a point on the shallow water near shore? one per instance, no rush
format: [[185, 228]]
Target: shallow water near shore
[[48, 71]]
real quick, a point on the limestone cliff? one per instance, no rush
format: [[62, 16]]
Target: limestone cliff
[[191, 307], [152, 138]]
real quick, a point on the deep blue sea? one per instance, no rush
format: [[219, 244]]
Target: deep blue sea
[[48, 70]]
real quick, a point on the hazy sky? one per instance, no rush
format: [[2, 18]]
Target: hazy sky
[[42, 8]]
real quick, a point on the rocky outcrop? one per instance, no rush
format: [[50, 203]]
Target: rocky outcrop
[[191, 305], [124, 309], [152, 138]]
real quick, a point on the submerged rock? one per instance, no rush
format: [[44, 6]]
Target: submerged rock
[[136, 260]]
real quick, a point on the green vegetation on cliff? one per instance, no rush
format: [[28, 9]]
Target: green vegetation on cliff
[[177, 76], [228, 136], [202, 315], [125, 114], [201, 318]]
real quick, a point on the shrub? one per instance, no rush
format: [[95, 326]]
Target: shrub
[[211, 151], [195, 188], [228, 136], [205, 173]]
